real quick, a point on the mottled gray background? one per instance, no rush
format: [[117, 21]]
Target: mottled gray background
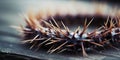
[[10, 11]]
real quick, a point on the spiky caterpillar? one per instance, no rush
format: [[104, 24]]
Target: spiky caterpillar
[[42, 34], [49, 35]]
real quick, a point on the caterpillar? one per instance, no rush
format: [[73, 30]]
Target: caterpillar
[[54, 36], [47, 34]]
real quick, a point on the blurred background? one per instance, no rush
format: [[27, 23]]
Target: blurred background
[[12, 11]]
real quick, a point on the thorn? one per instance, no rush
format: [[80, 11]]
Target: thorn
[[34, 38], [50, 48], [59, 27], [22, 27], [44, 42], [100, 28], [111, 23], [90, 22], [55, 28], [88, 40], [114, 47], [85, 22], [18, 28], [104, 41], [71, 45], [92, 33], [64, 25], [26, 32], [37, 25], [48, 24], [86, 26], [109, 30], [53, 50], [33, 45], [51, 42], [106, 23], [27, 21], [68, 29], [77, 29], [83, 50], [55, 22], [96, 44], [118, 23], [25, 41], [62, 50]]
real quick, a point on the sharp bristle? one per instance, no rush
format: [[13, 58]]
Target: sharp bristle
[[84, 27], [64, 25], [44, 42], [77, 30], [96, 44], [33, 45], [34, 38], [55, 22], [53, 50], [111, 23], [50, 43], [106, 23], [61, 50], [71, 45], [49, 50], [114, 47], [83, 50], [28, 41], [89, 22], [48, 24]]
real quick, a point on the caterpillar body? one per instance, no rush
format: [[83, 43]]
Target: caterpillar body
[[49, 35]]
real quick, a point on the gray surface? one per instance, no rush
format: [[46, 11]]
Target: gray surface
[[10, 39]]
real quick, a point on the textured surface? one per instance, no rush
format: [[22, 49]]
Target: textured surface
[[10, 38], [10, 56]]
